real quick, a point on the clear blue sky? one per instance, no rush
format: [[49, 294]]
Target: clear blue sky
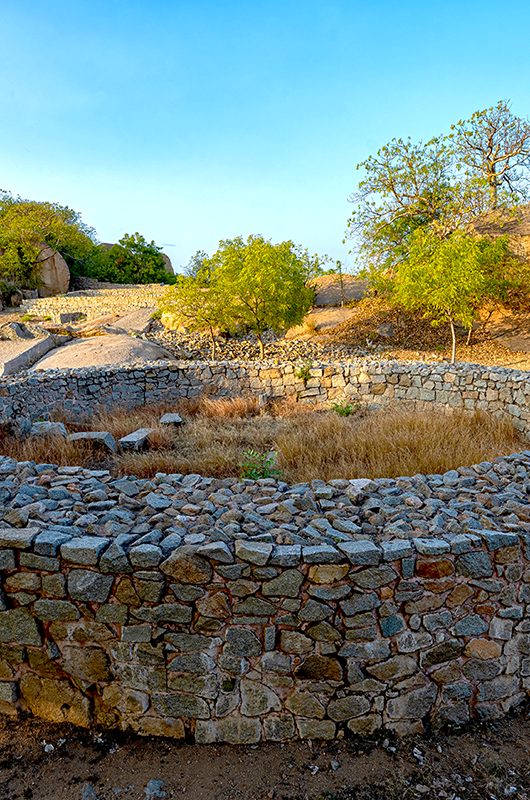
[[196, 120]]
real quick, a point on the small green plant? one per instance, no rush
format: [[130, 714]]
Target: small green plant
[[27, 317], [156, 315], [303, 373], [258, 465], [345, 409]]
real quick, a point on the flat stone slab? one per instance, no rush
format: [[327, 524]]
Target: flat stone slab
[[171, 419], [96, 438], [49, 429], [135, 440]]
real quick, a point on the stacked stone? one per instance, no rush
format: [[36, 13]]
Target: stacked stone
[[249, 641], [83, 391], [93, 303]]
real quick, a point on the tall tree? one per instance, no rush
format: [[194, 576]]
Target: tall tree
[[27, 227], [132, 260], [407, 186], [494, 144]]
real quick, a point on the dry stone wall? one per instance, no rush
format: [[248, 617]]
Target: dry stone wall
[[496, 390], [94, 303], [241, 611]]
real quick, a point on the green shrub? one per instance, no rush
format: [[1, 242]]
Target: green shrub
[[257, 465], [345, 409], [303, 373]]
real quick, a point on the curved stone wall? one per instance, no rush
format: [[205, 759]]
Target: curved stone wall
[[240, 611], [82, 391]]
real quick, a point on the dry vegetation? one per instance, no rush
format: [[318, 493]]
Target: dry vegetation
[[310, 443]]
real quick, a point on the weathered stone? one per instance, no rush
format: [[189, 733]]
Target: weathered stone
[[19, 538], [305, 704], [285, 585], [136, 440], [88, 586], [84, 550], [320, 668], [257, 699], [348, 707], [19, 627], [56, 610], [101, 439], [186, 567]]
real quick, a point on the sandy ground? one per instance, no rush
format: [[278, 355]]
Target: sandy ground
[[99, 350], [485, 762]]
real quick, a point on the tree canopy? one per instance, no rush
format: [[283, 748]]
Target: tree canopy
[[251, 285], [27, 227], [132, 260], [440, 185]]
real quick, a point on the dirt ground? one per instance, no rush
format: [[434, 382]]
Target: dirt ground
[[45, 762]]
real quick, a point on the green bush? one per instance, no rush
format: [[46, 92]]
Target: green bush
[[345, 409], [258, 465]]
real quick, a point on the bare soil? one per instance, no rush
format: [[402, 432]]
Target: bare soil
[[484, 762]]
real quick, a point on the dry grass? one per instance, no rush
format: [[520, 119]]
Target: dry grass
[[390, 443], [310, 443]]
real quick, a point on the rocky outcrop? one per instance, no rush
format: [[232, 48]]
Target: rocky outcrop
[[54, 273]]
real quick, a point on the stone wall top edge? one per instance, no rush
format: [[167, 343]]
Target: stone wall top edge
[[397, 366]]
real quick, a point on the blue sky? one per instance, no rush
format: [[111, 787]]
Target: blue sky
[[200, 120]]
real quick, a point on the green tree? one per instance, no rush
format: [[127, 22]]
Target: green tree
[[494, 145], [408, 186], [266, 283], [27, 227], [198, 306], [448, 279], [132, 260]]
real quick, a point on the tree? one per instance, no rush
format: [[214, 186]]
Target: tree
[[408, 186], [494, 145], [132, 260], [448, 279], [245, 285], [267, 283], [27, 227], [198, 306]]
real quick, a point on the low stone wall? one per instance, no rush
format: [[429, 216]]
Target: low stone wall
[[240, 611], [94, 303], [261, 641], [498, 391]]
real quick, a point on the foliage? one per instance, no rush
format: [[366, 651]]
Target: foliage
[[345, 409], [447, 279], [199, 305], [441, 185], [266, 283], [258, 465], [303, 373], [132, 260], [494, 144], [27, 227], [246, 285]]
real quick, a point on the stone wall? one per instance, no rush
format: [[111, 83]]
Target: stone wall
[[94, 303], [241, 611], [499, 391], [258, 641]]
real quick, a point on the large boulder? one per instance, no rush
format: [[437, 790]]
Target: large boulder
[[54, 273]]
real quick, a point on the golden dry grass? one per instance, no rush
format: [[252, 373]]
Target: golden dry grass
[[311, 443]]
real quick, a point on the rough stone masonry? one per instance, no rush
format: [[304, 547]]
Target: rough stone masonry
[[240, 611]]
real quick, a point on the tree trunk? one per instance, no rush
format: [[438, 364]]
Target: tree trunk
[[261, 347], [214, 345], [453, 338], [492, 186], [469, 335]]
